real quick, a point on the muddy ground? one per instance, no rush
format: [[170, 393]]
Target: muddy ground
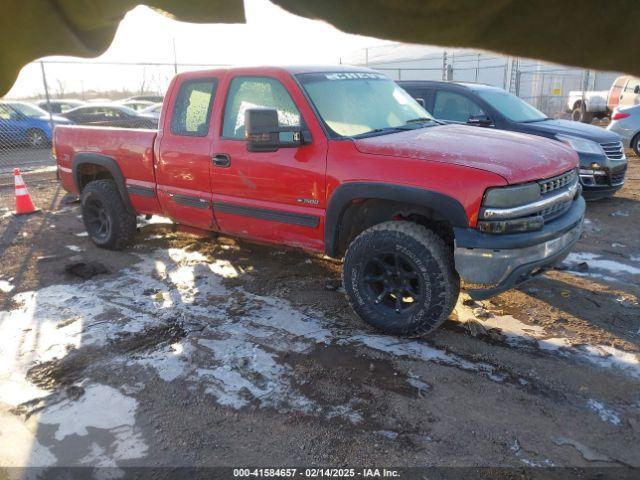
[[186, 350]]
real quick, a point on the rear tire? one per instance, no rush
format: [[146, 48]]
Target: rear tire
[[400, 278], [580, 114], [108, 222]]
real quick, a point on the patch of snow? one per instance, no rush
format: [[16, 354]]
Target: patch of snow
[[74, 248], [5, 286], [82, 234], [520, 334], [154, 220], [606, 414], [597, 262]]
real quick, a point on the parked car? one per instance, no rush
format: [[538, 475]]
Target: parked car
[[23, 123], [147, 98], [625, 91], [136, 105], [625, 122], [338, 160], [110, 115], [59, 105], [603, 162], [152, 112]]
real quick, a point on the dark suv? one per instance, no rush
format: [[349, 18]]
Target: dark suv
[[602, 159]]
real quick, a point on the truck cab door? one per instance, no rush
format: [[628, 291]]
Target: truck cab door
[[278, 196], [183, 159]]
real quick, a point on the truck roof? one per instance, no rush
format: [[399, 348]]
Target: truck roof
[[292, 69]]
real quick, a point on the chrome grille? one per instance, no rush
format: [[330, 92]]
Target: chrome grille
[[554, 211], [613, 150], [562, 180]]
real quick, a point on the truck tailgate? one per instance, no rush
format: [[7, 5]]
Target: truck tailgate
[[132, 149]]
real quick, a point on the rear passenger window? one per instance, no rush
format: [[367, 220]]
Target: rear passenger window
[[192, 108], [454, 107]]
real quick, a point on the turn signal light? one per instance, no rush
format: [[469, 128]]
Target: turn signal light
[[619, 116]]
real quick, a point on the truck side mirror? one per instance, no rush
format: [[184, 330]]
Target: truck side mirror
[[636, 90], [262, 131], [479, 120], [421, 102]]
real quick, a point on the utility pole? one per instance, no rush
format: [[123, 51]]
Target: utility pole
[[46, 94]]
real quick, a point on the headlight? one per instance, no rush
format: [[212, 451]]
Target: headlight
[[581, 145], [506, 197]]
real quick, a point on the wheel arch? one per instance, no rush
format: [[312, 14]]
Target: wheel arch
[[386, 200], [89, 166]]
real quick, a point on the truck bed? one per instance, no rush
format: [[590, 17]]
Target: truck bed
[[132, 149]]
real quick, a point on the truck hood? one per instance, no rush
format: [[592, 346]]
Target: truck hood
[[514, 156], [552, 127]]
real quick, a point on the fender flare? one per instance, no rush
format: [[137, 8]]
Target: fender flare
[[109, 164], [446, 206]]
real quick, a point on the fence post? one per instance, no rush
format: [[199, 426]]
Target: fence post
[[444, 65], [46, 94], [175, 58]]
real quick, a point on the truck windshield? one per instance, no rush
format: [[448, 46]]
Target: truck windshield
[[512, 107], [362, 103]]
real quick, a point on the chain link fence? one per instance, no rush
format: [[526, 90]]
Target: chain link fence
[[55, 92], [545, 86]]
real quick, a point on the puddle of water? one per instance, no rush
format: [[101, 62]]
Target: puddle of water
[[599, 263]]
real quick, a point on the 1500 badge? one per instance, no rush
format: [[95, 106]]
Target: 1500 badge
[[308, 201]]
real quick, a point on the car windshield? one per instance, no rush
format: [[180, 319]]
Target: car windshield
[[512, 107], [29, 110], [362, 103]]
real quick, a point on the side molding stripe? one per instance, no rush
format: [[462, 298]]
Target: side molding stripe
[[189, 201], [140, 191], [267, 214]]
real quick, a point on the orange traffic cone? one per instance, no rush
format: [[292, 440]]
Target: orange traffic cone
[[24, 204]]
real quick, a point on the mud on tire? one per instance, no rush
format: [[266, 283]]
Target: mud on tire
[[400, 278], [108, 222]]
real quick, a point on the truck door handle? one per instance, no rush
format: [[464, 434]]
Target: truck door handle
[[222, 160]]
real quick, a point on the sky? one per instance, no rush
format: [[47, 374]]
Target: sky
[[270, 36]]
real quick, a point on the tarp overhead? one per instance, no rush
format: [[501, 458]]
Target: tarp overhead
[[589, 33]]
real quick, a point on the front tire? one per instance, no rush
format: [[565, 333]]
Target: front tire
[[400, 278], [108, 222], [635, 144]]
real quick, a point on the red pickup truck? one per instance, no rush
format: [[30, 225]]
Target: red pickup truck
[[342, 161]]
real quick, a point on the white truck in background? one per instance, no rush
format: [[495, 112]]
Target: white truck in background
[[584, 106]]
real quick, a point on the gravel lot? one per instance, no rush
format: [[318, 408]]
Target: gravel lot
[[187, 350]]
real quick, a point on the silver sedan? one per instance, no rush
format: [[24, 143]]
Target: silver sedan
[[626, 123]]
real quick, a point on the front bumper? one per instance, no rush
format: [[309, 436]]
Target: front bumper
[[495, 263], [603, 181]]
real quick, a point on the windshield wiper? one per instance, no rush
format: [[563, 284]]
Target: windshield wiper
[[376, 131], [420, 120], [536, 120]]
